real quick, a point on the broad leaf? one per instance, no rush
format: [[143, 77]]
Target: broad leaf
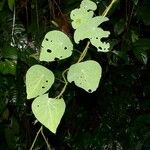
[[38, 80], [48, 111], [55, 46], [88, 5], [85, 75]]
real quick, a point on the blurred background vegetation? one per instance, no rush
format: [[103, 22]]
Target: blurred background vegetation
[[116, 116]]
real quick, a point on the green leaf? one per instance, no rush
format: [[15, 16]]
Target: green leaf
[[142, 44], [8, 67], [80, 16], [56, 46], [119, 26], [48, 111], [91, 31], [143, 12], [88, 5], [141, 55], [11, 4], [9, 52], [85, 75], [38, 80]]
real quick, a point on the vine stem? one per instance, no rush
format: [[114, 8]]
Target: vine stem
[[37, 134], [84, 52], [48, 146], [108, 8]]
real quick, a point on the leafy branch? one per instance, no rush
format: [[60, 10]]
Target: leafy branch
[[83, 54]]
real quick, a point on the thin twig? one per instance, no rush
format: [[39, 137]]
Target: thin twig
[[13, 26]]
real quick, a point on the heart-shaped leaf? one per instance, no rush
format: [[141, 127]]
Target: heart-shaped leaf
[[38, 80], [85, 75], [48, 111], [55, 46], [88, 5]]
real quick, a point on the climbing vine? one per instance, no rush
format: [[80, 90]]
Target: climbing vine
[[85, 74]]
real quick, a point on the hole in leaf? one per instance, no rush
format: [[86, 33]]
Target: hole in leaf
[[46, 80], [37, 105], [90, 90], [96, 37], [43, 87], [60, 56], [100, 48], [46, 39], [49, 51], [56, 59], [65, 48], [51, 41]]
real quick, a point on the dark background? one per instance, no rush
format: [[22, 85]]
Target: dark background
[[116, 116]]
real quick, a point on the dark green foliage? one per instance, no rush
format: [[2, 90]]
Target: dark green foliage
[[116, 116]]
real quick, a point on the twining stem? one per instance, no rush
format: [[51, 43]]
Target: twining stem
[[37, 134], [84, 52], [66, 84]]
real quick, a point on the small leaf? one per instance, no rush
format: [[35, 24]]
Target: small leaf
[[80, 16], [8, 67], [56, 46], [86, 75], [48, 111], [119, 26], [11, 4], [141, 55], [88, 5], [38, 80]]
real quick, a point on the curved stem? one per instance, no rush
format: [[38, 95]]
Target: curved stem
[[66, 83], [84, 52], [37, 134]]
